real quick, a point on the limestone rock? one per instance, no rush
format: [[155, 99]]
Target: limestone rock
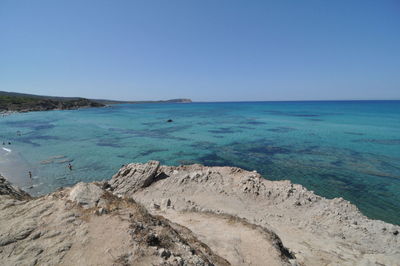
[[86, 194], [133, 177], [149, 214], [318, 231], [52, 230]]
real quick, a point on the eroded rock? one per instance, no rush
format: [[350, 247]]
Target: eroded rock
[[7, 189], [225, 208], [133, 177], [86, 194]]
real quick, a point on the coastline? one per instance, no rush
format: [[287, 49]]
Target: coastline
[[21, 102], [5, 113], [15, 168], [297, 226]]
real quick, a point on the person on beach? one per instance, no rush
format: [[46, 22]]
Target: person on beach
[[70, 166]]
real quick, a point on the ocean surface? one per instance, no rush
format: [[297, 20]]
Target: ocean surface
[[337, 149]]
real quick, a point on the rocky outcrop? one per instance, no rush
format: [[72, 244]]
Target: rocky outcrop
[[86, 225], [316, 230], [86, 195], [149, 214], [133, 177], [9, 190]]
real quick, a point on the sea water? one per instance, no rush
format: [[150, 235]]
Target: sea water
[[337, 149]]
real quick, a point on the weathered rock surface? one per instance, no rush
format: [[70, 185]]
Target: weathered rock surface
[[149, 214], [7, 189], [133, 177], [86, 195], [68, 227], [318, 231]]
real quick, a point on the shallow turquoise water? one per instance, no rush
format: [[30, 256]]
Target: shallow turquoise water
[[348, 149]]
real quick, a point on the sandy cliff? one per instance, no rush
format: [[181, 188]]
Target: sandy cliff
[[149, 214]]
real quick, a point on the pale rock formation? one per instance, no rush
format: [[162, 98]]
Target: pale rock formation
[[86, 194], [149, 214], [318, 231], [133, 177], [67, 228]]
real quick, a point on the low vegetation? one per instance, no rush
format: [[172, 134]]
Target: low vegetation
[[27, 103]]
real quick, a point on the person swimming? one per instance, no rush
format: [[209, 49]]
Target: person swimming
[[70, 166], [30, 174]]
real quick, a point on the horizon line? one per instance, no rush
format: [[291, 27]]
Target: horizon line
[[208, 101], [326, 100]]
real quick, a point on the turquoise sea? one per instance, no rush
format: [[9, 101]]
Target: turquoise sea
[[345, 149]]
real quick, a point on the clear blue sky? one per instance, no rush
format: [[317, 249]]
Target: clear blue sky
[[207, 50]]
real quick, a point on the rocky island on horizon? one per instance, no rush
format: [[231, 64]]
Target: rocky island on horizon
[[149, 214]]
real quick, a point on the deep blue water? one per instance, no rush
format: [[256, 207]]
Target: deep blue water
[[348, 149]]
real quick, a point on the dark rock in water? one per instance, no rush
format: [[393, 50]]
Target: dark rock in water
[[170, 120]]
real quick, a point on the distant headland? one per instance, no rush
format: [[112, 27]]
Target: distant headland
[[180, 100], [21, 102]]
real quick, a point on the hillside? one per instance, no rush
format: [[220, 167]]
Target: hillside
[[19, 102]]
